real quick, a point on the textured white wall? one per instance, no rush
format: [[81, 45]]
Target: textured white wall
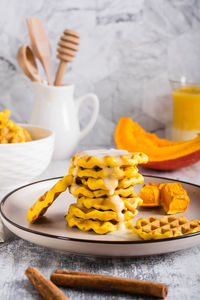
[[126, 48]]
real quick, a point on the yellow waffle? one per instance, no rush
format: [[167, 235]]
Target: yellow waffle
[[11, 132], [99, 227], [95, 214], [42, 204], [165, 227], [81, 190], [116, 172], [4, 115], [107, 203], [109, 183], [86, 160]]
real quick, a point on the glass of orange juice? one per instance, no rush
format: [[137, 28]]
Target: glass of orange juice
[[186, 110]]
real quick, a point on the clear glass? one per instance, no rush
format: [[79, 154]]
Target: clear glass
[[186, 110]]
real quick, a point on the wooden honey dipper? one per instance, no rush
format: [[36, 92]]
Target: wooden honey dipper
[[68, 47]]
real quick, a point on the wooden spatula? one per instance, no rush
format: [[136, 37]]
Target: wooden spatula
[[40, 44], [68, 46]]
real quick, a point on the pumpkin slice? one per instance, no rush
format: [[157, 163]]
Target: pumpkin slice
[[163, 154]]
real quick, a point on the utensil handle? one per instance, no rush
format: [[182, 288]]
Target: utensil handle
[[60, 72], [47, 69], [94, 115]]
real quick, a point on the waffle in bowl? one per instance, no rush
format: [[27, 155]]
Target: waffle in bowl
[[11, 132], [165, 227]]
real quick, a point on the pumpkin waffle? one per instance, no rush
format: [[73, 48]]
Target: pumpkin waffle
[[109, 183], [116, 172], [108, 158], [100, 227], [82, 190], [107, 203], [165, 227], [11, 132], [4, 115], [100, 215], [41, 205]]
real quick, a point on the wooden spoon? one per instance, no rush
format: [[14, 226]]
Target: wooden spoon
[[68, 47], [40, 44], [27, 63]]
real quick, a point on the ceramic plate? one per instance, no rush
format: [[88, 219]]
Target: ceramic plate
[[52, 231]]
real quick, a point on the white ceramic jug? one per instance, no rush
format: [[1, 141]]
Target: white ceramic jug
[[55, 109]]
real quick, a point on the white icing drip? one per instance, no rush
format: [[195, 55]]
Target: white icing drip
[[110, 171], [121, 221], [75, 171], [119, 206], [118, 203], [110, 184]]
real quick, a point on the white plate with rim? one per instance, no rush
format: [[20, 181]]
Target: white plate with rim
[[52, 231]]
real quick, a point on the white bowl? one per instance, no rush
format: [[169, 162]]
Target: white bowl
[[21, 162]]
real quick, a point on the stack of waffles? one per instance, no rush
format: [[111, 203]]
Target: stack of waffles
[[103, 184]]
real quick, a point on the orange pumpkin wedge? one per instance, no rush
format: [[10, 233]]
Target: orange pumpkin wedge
[[163, 154]]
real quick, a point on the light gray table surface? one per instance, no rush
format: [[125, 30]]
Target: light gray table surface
[[179, 270]]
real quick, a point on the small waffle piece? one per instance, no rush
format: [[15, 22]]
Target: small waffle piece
[[107, 203], [90, 159], [174, 198], [42, 204], [165, 227]]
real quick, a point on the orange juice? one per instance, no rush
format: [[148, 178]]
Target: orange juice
[[186, 112]]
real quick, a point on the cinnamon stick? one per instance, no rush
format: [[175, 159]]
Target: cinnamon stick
[[76, 279], [45, 287], [70, 272]]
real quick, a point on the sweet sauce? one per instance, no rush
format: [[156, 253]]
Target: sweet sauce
[[119, 207], [110, 184]]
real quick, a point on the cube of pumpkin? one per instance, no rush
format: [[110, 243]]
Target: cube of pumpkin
[[174, 198], [150, 194]]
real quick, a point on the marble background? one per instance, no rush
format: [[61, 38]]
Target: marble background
[[128, 51]]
